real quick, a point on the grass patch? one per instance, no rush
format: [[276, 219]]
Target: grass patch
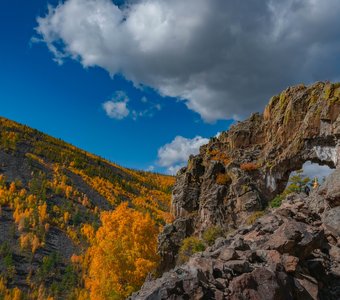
[[190, 246], [254, 216], [211, 234]]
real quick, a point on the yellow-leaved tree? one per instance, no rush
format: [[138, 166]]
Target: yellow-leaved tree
[[124, 251]]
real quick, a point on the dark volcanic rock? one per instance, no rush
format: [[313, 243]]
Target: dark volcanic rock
[[261, 284], [291, 252], [171, 238], [278, 257], [238, 172], [332, 220]]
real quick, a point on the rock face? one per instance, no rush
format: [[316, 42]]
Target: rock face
[[290, 253], [293, 252], [238, 172]]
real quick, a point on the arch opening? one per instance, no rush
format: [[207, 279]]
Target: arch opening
[[312, 174]]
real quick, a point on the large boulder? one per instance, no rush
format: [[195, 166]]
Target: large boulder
[[331, 220]]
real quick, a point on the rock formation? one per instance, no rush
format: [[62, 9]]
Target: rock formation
[[238, 172], [290, 253], [293, 252]]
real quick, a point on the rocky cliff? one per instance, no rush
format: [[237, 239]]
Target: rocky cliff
[[236, 174], [293, 252]]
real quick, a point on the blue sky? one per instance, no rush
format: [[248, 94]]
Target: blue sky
[[144, 83], [66, 101]]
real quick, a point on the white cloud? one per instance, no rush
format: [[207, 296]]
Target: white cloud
[[117, 107], [224, 58], [172, 170], [116, 110], [174, 155]]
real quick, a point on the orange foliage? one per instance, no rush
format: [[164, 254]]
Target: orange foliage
[[66, 217], [72, 233], [8, 140], [30, 241], [9, 294], [76, 259], [124, 252], [149, 199], [128, 234], [43, 216], [219, 155], [12, 188], [88, 231], [104, 187], [223, 179], [249, 166]]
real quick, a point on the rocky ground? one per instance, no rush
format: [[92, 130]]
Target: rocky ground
[[293, 252]]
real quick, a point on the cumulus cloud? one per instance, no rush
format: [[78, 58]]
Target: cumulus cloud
[[175, 154], [224, 58], [117, 107]]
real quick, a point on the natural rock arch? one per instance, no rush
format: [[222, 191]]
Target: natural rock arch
[[238, 172]]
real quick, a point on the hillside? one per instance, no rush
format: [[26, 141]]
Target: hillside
[[54, 198], [75, 226], [222, 203]]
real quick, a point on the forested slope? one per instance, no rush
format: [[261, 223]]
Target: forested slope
[[71, 221]]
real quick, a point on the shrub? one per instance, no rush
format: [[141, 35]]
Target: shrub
[[211, 234], [249, 166], [254, 216], [223, 179], [276, 202], [189, 246]]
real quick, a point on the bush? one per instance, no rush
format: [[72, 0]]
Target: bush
[[276, 202], [249, 166], [254, 216], [189, 246], [211, 234], [223, 179]]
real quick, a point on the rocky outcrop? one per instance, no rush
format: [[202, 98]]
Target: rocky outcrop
[[238, 172], [293, 252]]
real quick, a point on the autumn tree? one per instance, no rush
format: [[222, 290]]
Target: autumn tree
[[123, 253]]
